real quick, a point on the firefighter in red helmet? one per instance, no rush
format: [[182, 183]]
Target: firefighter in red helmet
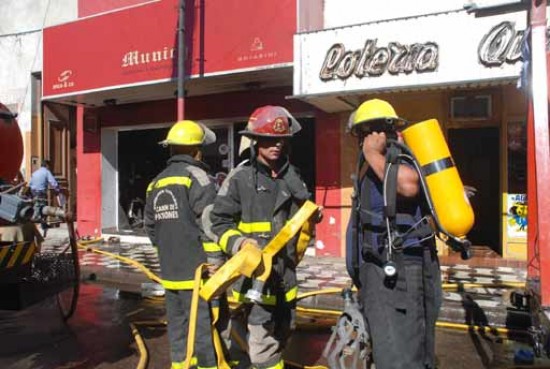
[[253, 204]]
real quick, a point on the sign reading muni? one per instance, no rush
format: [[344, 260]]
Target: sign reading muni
[[372, 61]]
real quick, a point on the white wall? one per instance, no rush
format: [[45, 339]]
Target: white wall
[[339, 13], [21, 48]]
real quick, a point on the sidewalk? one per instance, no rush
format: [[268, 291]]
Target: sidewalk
[[485, 306]]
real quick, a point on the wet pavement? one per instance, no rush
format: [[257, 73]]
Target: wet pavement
[[99, 334]]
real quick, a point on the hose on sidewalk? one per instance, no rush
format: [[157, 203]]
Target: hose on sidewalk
[[85, 245]]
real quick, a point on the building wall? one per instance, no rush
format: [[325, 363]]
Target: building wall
[[361, 11], [21, 50]]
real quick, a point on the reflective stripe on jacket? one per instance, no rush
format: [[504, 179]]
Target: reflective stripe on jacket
[[253, 204], [176, 199]]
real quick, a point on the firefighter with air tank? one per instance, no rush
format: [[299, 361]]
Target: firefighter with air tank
[[391, 253]]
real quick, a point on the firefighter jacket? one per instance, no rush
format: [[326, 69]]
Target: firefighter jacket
[[253, 204], [176, 199]]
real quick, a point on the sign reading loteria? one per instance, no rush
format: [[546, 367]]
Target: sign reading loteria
[[428, 51]]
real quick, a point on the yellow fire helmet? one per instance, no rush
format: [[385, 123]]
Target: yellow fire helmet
[[374, 111], [189, 133]]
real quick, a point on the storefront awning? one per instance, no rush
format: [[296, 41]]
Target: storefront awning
[[137, 47], [343, 102], [446, 50]]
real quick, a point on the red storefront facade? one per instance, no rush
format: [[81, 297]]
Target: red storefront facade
[[118, 69]]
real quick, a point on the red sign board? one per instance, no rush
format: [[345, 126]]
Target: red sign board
[[138, 45], [241, 34], [91, 7]]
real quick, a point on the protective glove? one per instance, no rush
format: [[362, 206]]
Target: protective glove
[[213, 264]]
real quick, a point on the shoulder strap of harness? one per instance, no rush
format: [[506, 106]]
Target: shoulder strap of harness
[[356, 243], [390, 181]]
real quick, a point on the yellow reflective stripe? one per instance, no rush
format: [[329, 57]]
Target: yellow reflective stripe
[[211, 247], [178, 285], [206, 367], [279, 365], [181, 364], [168, 181], [225, 237], [290, 295], [15, 255], [255, 227], [30, 252]]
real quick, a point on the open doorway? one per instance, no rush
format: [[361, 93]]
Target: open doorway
[[476, 154], [141, 159]]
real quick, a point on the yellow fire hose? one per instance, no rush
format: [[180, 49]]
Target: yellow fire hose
[[250, 260], [319, 312], [143, 355]]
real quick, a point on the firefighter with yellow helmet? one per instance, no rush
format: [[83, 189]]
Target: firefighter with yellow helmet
[[254, 203], [391, 254], [175, 202]]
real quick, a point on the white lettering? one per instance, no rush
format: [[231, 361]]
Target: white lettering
[[136, 57]]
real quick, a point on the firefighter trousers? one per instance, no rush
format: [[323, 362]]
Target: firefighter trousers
[[178, 307], [401, 312], [269, 328]]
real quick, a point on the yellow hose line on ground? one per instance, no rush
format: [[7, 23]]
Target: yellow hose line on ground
[[449, 286], [89, 242], [321, 292], [440, 324], [143, 355], [126, 260], [322, 312]]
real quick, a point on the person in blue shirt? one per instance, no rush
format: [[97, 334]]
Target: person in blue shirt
[[40, 180]]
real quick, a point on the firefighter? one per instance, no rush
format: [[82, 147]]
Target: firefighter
[[175, 201], [253, 204], [399, 275]]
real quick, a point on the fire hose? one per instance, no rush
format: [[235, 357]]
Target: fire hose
[[215, 288]]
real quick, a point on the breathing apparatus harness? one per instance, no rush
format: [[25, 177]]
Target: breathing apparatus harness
[[396, 153]]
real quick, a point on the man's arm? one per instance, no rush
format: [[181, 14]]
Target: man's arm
[[149, 217], [374, 146], [51, 180], [202, 193], [225, 214]]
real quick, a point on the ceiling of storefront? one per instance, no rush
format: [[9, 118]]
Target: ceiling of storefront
[[195, 86], [347, 101]]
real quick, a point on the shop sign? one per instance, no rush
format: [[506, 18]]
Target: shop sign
[[373, 61], [437, 50], [516, 218], [502, 44], [138, 45]]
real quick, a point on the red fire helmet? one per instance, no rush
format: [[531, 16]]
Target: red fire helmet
[[271, 121]]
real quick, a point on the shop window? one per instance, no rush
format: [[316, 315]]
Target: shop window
[[471, 107]]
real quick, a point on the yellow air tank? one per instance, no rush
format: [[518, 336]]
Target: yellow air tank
[[452, 207]]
